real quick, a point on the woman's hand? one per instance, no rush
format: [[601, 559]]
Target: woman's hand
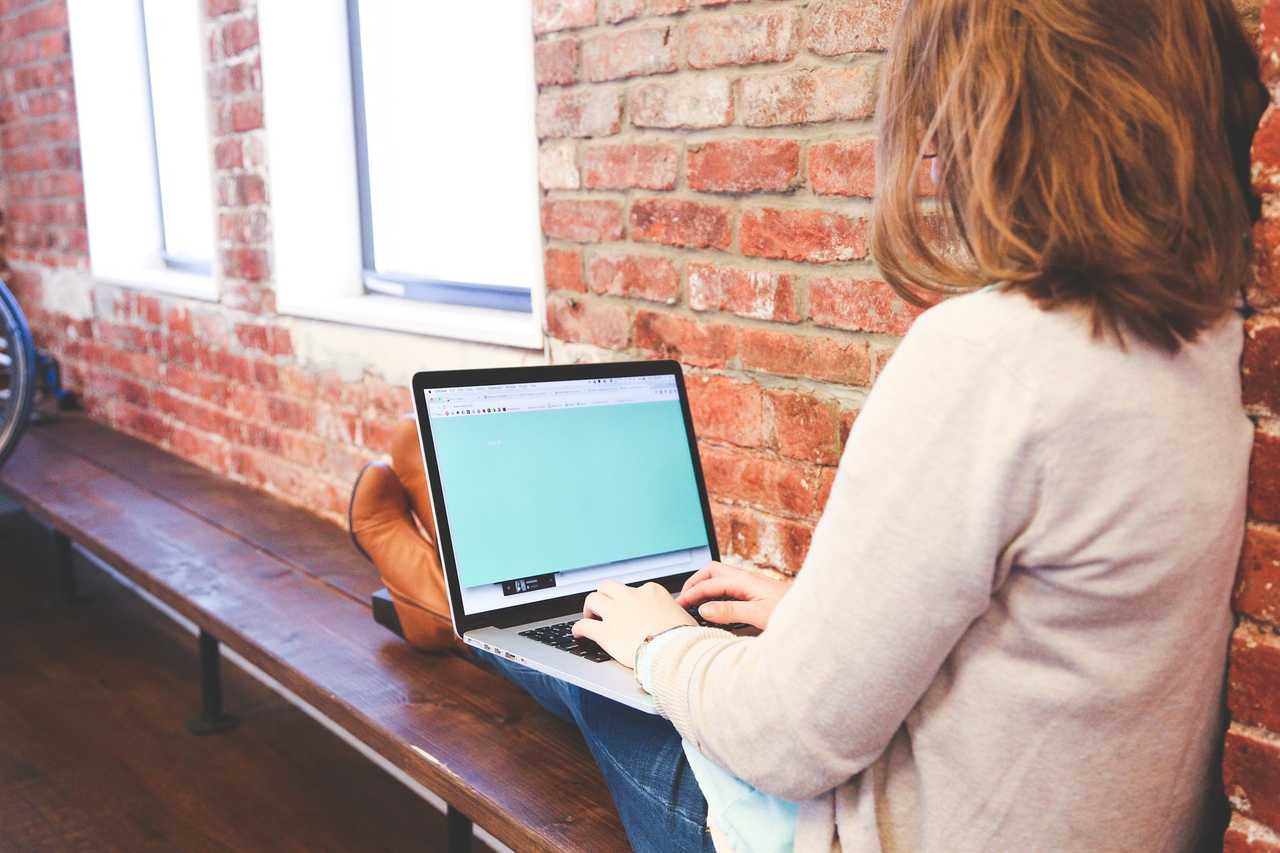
[[754, 596], [618, 617]]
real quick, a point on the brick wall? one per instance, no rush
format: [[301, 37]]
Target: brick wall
[[1251, 768], [707, 173], [707, 169]]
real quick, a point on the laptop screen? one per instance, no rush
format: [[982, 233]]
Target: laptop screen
[[552, 487]]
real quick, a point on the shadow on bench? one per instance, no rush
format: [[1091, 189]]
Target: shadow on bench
[[287, 593]]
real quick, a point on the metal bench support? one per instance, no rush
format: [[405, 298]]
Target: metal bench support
[[212, 719], [459, 831]]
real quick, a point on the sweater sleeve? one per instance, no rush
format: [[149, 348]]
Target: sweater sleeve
[[935, 482]]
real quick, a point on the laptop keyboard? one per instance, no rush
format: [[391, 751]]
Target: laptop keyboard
[[560, 635]]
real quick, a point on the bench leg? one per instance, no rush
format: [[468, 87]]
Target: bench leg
[[64, 571], [459, 831], [212, 719]]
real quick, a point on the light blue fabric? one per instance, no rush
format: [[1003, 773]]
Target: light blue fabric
[[566, 488], [750, 820]]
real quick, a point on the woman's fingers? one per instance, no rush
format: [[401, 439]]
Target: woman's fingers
[[613, 589], [598, 606], [721, 587], [589, 629], [698, 577], [731, 612]]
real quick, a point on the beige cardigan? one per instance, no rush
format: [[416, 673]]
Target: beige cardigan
[[1011, 627]]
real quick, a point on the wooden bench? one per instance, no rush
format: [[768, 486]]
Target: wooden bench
[[287, 592]]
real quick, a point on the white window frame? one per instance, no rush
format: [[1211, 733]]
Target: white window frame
[[117, 152], [317, 256]]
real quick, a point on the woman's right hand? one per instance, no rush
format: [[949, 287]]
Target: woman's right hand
[[753, 596]]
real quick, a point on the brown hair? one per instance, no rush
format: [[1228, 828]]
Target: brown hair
[[1092, 153]]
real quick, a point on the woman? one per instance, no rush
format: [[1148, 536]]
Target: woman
[[1011, 627]]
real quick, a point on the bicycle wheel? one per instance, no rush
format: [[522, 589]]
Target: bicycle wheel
[[17, 373]]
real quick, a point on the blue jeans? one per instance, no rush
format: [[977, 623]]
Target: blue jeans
[[640, 757]]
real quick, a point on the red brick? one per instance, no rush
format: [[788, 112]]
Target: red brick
[[806, 427], [563, 270], [807, 356], [578, 114], [695, 343], [1245, 836], [246, 115], [1264, 284], [228, 154], [737, 530], [245, 264], [581, 321], [582, 221], [861, 305], [760, 294], [815, 236], [552, 15], [239, 35], [635, 275], [1257, 592], [616, 11], [1251, 773], [726, 410], [742, 39], [272, 340], [1264, 477], [765, 540], [686, 102], [555, 63], [843, 167], [744, 165], [611, 166], [851, 26], [816, 95], [794, 539], [1266, 153], [773, 485], [676, 222], [631, 53], [201, 448], [1261, 364], [1254, 677], [558, 165]]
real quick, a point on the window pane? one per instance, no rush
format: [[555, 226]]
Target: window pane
[[449, 102], [175, 55]]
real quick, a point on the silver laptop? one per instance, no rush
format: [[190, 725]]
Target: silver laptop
[[548, 480]]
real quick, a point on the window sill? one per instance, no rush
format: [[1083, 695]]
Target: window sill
[[163, 280], [481, 325]]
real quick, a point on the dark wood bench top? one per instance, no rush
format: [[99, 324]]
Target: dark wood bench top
[[287, 591]]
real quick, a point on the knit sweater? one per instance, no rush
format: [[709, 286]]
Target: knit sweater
[[1011, 627]]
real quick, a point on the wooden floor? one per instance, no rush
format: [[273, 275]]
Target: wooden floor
[[94, 754]]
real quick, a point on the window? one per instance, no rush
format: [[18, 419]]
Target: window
[[446, 163], [180, 129], [404, 166], [144, 133]]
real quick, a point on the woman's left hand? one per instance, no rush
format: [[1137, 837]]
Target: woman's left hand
[[618, 617]]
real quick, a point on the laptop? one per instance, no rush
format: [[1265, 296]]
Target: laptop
[[548, 480]]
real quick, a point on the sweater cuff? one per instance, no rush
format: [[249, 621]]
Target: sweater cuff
[[666, 667]]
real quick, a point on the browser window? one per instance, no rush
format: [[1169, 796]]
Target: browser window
[[552, 487]]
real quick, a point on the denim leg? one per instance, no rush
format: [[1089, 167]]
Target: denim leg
[[640, 756]]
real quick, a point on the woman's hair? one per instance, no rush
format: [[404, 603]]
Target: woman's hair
[[1091, 153]]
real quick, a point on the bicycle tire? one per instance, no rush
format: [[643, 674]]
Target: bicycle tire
[[18, 349]]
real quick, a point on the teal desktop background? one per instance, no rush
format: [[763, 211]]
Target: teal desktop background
[[529, 493]]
